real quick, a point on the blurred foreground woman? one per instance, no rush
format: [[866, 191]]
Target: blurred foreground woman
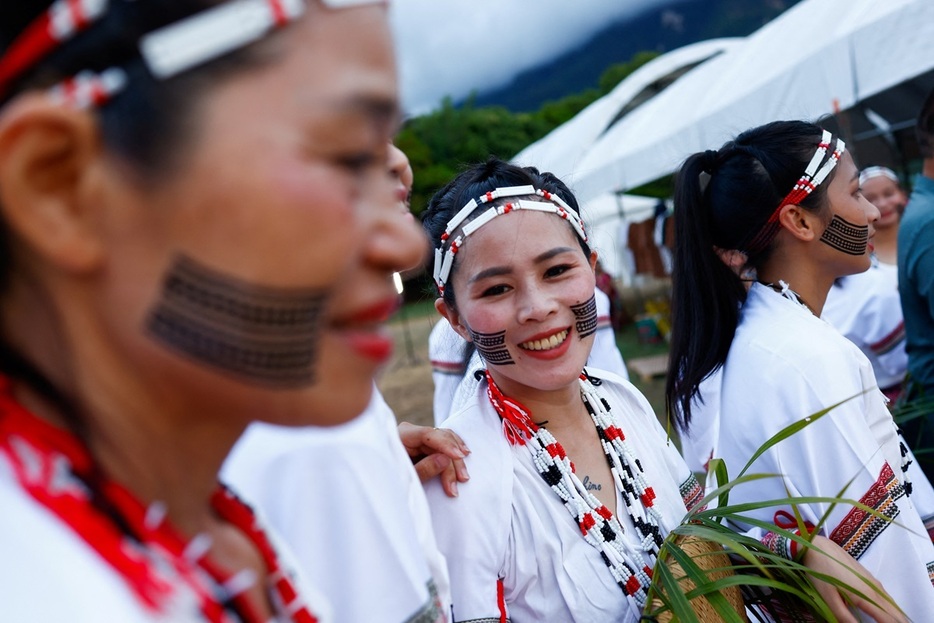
[[197, 231]]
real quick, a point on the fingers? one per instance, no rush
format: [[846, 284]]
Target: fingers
[[836, 602], [884, 612], [440, 465], [449, 480], [431, 466], [447, 442], [423, 440], [835, 562]]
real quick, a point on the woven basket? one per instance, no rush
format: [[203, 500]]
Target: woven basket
[[707, 555]]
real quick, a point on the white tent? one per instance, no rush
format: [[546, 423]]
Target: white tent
[[819, 57], [562, 149], [607, 218]]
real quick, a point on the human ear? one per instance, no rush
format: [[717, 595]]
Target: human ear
[[593, 262], [800, 223], [47, 157], [451, 315]]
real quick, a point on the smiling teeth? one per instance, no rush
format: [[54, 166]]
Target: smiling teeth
[[547, 343]]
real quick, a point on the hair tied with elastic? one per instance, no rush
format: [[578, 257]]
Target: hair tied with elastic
[[710, 161]]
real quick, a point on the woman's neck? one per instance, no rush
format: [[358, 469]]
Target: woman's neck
[[557, 409], [145, 438], [885, 242], [810, 289]]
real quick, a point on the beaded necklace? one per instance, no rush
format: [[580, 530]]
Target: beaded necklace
[[631, 568], [165, 571]]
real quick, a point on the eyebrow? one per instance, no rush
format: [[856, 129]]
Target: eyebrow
[[497, 271]]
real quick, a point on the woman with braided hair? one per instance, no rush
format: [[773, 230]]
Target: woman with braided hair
[[197, 232], [574, 484], [785, 197]]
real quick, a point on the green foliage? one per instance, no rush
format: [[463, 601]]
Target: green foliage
[[442, 143], [753, 566]]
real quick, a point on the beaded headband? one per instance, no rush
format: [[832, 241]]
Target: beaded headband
[[166, 51], [805, 185], [870, 172], [553, 204]]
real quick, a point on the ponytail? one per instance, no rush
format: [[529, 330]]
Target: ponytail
[[723, 200], [706, 294]]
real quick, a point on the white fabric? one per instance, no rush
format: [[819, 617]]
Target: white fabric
[[698, 441], [785, 364], [867, 310], [455, 383], [817, 57], [350, 505], [49, 573], [561, 149], [507, 523]]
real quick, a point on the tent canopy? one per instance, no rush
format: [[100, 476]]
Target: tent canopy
[[562, 149], [818, 58]]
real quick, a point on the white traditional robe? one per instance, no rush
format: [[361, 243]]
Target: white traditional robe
[[507, 525], [50, 573], [351, 507], [784, 365], [866, 308]]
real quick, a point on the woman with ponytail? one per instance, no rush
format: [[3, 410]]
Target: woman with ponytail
[[197, 232], [574, 484], [784, 199]]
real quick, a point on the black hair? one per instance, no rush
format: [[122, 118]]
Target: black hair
[[723, 199], [147, 124], [473, 183], [924, 129]]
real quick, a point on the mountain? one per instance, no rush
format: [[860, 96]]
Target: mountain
[[661, 29]]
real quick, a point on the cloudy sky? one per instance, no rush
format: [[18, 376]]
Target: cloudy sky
[[451, 47]]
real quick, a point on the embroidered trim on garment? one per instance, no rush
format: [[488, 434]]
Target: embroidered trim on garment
[[455, 368], [779, 544], [859, 529], [931, 572], [160, 567], [631, 568], [890, 341], [430, 612], [692, 492]]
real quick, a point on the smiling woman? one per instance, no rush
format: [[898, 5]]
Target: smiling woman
[[176, 265]]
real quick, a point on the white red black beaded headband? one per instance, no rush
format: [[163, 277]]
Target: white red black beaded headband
[[872, 172], [166, 51], [809, 180], [553, 204]]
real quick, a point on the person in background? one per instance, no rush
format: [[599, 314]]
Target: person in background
[[916, 288], [866, 307], [574, 484], [882, 189], [364, 469], [786, 195]]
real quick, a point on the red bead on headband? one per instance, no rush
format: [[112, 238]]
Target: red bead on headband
[[167, 51], [60, 22], [809, 180], [444, 260]]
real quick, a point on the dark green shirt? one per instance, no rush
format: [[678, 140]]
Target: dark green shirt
[[916, 281]]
